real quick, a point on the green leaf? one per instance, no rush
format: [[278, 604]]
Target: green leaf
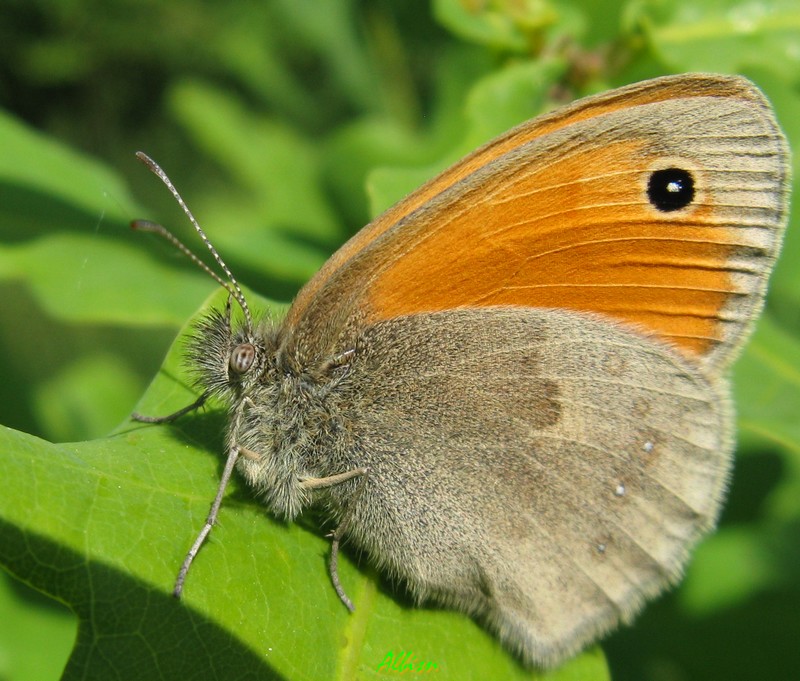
[[510, 24], [721, 35]]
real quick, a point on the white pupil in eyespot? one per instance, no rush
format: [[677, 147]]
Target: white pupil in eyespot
[[242, 357], [674, 187]]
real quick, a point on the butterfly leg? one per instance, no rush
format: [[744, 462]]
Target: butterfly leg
[[233, 455], [199, 402], [338, 533]]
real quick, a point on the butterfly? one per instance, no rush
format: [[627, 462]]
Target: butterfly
[[510, 390]]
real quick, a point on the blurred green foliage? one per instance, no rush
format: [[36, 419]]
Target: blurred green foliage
[[287, 124]]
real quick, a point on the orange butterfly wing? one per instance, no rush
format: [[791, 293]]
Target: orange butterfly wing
[[556, 214]]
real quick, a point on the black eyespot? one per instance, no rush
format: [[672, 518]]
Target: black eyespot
[[670, 189], [242, 357]]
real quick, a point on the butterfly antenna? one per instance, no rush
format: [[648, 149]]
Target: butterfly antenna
[[147, 226]]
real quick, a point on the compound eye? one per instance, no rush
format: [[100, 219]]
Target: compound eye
[[242, 358]]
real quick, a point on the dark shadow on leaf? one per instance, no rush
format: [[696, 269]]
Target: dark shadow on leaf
[[127, 629]]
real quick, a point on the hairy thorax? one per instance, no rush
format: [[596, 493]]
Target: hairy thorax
[[286, 425]]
